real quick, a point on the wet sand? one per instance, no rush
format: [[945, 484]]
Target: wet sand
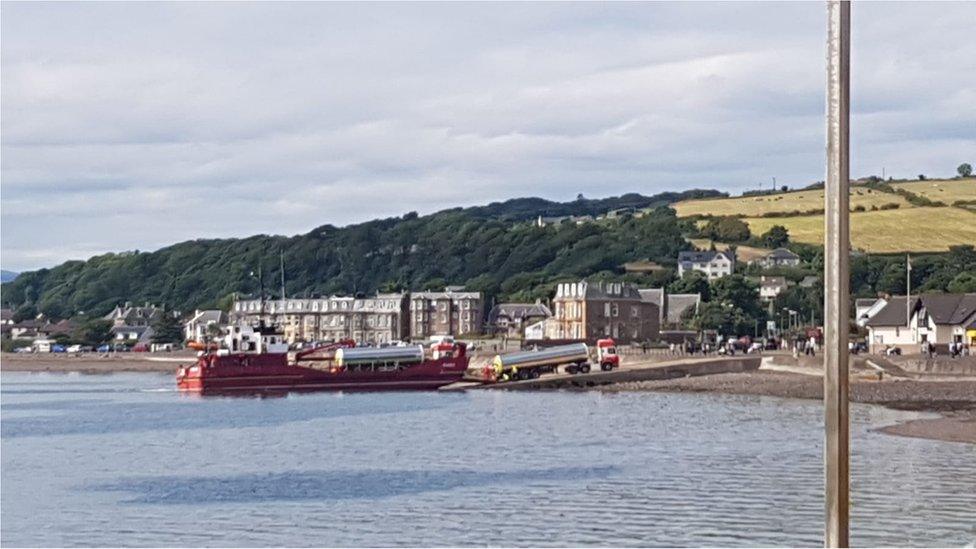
[[94, 363], [955, 400]]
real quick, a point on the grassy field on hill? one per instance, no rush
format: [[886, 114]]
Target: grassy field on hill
[[947, 191], [909, 228], [742, 252], [901, 230], [802, 201]]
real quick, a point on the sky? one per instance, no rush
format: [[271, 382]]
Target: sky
[[137, 125]]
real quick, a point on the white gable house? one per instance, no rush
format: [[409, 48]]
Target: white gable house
[[712, 264]]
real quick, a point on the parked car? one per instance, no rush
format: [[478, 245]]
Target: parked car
[[79, 349], [23, 350], [58, 348], [110, 347], [140, 348]]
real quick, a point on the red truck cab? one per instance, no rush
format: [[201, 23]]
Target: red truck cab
[[606, 354]]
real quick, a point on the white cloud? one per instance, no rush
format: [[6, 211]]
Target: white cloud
[[137, 125]]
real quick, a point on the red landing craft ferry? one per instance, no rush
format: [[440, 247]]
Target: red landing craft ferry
[[258, 361]]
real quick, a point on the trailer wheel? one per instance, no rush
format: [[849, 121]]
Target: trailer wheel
[[534, 374], [571, 370], [585, 368]]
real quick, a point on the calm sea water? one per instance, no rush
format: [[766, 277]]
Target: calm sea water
[[125, 460]]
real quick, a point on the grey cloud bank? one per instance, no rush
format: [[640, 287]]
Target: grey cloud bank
[[136, 125]]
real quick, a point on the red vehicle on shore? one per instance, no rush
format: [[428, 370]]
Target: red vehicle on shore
[[258, 361]]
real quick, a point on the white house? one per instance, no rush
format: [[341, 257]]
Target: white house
[[712, 264], [198, 327], [771, 286], [536, 331], [865, 309], [780, 257], [939, 319]]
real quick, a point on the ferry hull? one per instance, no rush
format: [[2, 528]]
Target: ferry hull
[[272, 374]]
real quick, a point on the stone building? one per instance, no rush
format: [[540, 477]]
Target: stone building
[[589, 311], [378, 319], [510, 319], [453, 312]]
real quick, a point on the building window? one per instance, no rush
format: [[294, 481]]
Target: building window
[[606, 309]]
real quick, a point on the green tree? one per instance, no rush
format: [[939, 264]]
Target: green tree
[[963, 283], [739, 292], [726, 229], [892, 279], [93, 332], [776, 237], [26, 311], [714, 316], [213, 332], [965, 169], [962, 257], [727, 319], [167, 328], [693, 282]]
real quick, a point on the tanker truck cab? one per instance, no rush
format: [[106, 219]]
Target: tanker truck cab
[[606, 354]]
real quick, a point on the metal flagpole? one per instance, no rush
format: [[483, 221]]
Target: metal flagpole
[[281, 257], [837, 277], [908, 292]]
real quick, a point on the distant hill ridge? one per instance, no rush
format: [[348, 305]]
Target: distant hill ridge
[[489, 248]]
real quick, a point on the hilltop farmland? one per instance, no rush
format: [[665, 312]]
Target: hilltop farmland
[[918, 216]]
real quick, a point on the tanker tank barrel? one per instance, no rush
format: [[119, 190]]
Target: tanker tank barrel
[[576, 352], [370, 355]]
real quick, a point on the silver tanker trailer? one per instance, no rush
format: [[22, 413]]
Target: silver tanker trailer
[[532, 364]]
